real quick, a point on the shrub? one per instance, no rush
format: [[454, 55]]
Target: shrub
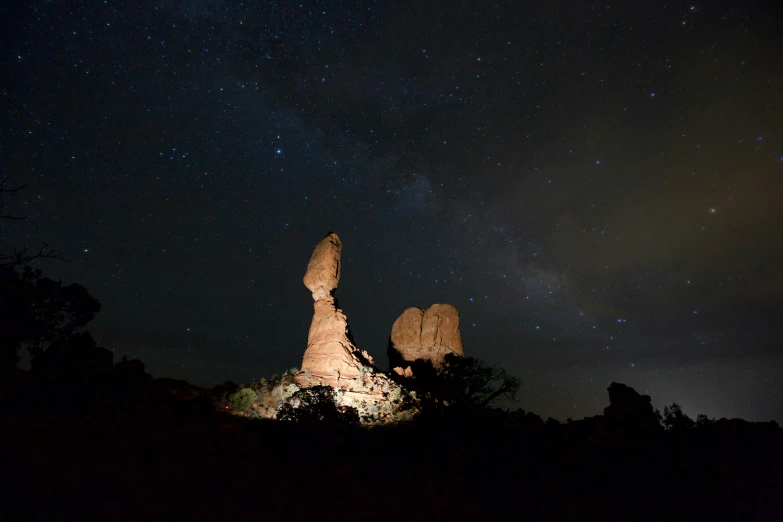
[[242, 399], [316, 404], [283, 392], [372, 411], [365, 370]]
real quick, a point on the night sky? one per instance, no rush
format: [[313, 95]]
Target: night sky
[[596, 187]]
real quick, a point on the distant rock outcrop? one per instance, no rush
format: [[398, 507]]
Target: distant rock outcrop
[[429, 336], [330, 356], [629, 409]]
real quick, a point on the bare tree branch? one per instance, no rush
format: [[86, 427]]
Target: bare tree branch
[[23, 256], [4, 189], [6, 216]]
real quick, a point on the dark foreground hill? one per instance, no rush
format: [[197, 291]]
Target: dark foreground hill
[[131, 451]]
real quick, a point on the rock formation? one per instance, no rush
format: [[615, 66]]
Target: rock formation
[[332, 359], [330, 356], [628, 409], [429, 336]]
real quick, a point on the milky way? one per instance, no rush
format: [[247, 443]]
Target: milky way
[[596, 188]]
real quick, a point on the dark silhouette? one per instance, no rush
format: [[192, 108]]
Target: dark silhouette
[[36, 311], [132, 370], [460, 383], [75, 354], [86, 440], [674, 418], [20, 256], [629, 410]]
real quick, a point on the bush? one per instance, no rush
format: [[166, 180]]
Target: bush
[[395, 395], [283, 392], [465, 382], [317, 404], [242, 399]]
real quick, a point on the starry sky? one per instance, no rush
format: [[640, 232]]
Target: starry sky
[[596, 187]]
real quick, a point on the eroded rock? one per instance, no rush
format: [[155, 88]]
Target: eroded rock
[[440, 331], [406, 331], [323, 270], [332, 359], [403, 372], [626, 405], [429, 336], [330, 356]]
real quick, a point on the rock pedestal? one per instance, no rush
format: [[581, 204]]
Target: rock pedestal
[[330, 356]]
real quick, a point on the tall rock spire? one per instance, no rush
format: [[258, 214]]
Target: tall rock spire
[[330, 356]]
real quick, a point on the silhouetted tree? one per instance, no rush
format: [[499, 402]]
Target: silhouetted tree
[[469, 382], [317, 404], [36, 311], [133, 368], [702, 421], [674, 418], [77, 353], [525, 418], [20, 256]]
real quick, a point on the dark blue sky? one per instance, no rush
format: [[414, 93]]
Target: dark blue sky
[[595, 187]]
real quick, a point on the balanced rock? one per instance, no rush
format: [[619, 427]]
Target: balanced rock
[[323, 270], [330, 355], [429, 336]]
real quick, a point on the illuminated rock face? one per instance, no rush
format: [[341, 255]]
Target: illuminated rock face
[[332, 359], [330, 356], [323, 270], [406, 333], [428, 336]]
